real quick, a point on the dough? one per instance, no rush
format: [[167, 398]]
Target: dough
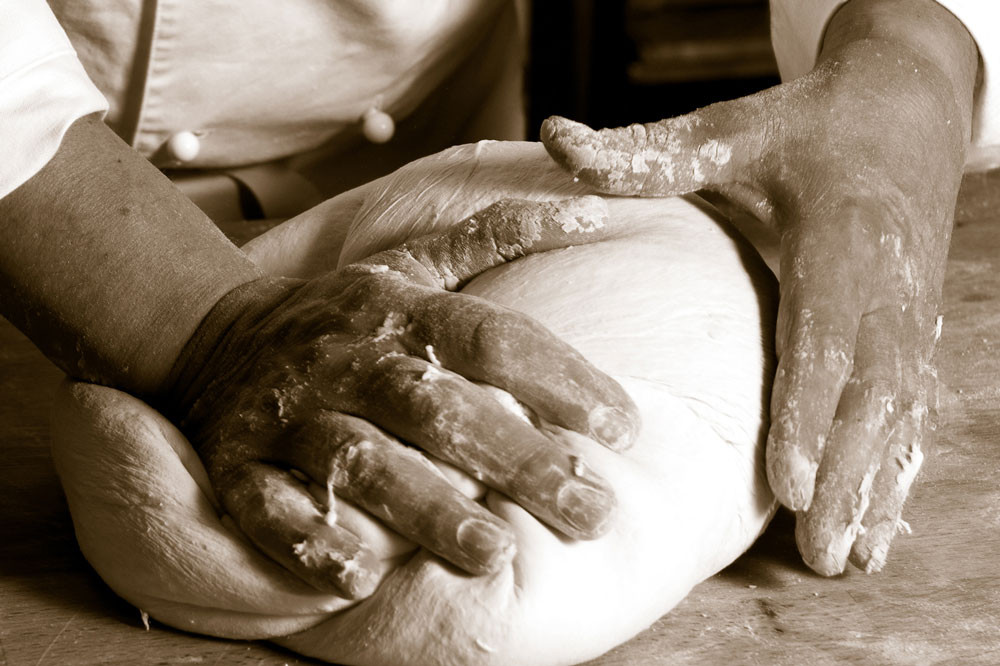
[[674, 306]]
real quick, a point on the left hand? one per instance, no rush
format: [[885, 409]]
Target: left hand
[[856, 166], [349, 378]]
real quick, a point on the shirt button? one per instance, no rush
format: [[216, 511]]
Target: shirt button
[[377, 126], [183, 146]]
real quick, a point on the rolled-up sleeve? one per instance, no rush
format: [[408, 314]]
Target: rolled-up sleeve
[[43, 89], [797, 29]]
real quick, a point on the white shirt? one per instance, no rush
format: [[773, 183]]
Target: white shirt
[[205, 84], [43, 89], [401, 49], [797, 28]]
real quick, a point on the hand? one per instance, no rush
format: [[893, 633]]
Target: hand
[[328, 378], [856, 167]]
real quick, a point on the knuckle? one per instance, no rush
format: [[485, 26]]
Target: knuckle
[[332, 431], [893, 216], [410, 389], [261, 494], [358, 464], [500, 333], [391, 369], [394, 325], [371, 290], [512, 226], [914, 408], [426, 262], [818, 347], [494, 221], [874, 397]]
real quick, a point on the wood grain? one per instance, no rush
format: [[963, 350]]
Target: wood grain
[[937, 601]]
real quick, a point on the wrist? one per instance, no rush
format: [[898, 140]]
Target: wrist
[[221, 345], [106, 266]]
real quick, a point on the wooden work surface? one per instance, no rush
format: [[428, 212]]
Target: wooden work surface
[[938, 600]]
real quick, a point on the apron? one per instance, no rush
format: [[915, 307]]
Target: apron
[[268, 97]]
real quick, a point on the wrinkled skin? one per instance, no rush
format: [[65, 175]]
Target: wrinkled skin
[[855, 167], [327, 383]]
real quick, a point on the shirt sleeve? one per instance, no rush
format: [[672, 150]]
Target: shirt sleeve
[[43, 89], [797, 29]]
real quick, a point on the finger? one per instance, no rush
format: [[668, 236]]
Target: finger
[[895, 477], [502, 232], [855, 448], [460, 422], [709, 146], [822, 300], [277, 513], [399, 486], [883, 519], [387, 544], [490, 344], [808, 384]]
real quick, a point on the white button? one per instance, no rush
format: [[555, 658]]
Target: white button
[[183, 146], [378, 126]]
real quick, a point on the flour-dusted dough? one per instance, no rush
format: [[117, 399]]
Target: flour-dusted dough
[[672, 306]]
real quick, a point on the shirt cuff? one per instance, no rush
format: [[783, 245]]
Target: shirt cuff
[[797, 30], [43, 90]]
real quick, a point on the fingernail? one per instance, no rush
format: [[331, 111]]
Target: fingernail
[[792, 477], [586, 508], [487, 545], [871, 550], [554, 125], [824, 551], [827, 563], [612, 427], [877, 558]]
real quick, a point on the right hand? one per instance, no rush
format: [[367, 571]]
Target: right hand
[[342, 376], [856, 167]]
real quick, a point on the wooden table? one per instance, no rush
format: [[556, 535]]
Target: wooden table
[[938, 600]]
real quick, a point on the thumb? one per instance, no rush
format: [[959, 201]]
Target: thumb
[[711, 146], [500, 233]]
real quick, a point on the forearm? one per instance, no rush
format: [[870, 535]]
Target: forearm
[[106, 266], [921, 33]]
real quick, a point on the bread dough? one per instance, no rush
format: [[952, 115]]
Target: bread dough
[[673, 305]]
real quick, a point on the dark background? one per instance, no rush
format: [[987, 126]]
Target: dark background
[[613, 62]]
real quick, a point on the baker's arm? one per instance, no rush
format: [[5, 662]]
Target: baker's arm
[[797, 32], [106, 267], [856, 167], [122, 281]]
